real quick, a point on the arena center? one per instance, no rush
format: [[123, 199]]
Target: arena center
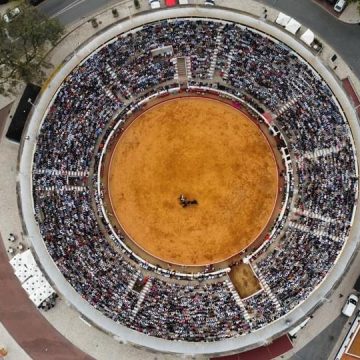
[[193, 181]]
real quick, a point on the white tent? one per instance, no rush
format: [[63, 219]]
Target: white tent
[[31, 277], [282, 19], [22, 274], [308, 37], [38, 288], [23, 265], [25, 259], [293, 26]]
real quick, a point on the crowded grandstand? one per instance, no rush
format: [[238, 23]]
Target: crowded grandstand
[[230, 60]]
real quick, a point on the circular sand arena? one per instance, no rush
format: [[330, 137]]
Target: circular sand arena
[[208, 151]]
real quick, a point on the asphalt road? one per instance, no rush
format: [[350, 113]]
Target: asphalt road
[[322, 345], [344, 38], [69, 11]]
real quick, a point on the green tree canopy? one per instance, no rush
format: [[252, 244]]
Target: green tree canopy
[[357, 2], [24, 41]]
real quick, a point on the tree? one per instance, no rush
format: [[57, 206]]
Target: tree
[[357, 2], [24, 42]]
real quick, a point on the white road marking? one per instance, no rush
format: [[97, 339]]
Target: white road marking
[[68, 7]]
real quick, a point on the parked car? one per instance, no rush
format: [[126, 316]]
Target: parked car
[[10, 15], [350, 305], [209, 2], [154, 4], [35, 2], [340, 6]]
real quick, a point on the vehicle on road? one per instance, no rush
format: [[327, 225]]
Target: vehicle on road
[[35, 2], [10, 15], [154, 4], [209, 2], [340, 6], [350, 305], [170, 3]]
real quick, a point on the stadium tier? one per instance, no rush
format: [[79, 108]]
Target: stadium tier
[[96, 100]]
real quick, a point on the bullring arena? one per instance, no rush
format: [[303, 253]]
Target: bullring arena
[[222, 113], [180, 147]]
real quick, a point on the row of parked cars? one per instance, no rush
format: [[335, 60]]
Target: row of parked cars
[[339, 5], [155, 4]]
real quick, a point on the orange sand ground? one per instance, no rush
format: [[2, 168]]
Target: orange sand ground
[[355, 346], [244, 280], [349, 357], [207, 151]]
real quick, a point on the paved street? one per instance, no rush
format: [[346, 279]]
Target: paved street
[[321, 346], [306, 11], [328, 27], [68, 11]]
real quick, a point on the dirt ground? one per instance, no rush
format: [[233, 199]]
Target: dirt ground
[[208, 151], [244, 280], [355, 346]]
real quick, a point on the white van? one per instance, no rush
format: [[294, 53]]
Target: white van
[[154, 4], [350, 305], [340, 6]]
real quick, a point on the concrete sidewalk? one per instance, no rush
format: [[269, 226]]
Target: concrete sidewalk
[[351, 14]]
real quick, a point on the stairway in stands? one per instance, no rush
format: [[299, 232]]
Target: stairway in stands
[[238, 300], [142, 295], [181, 71], [219, 44]]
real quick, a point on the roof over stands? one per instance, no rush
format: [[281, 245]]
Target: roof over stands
[[283, 19], [308, 37], [293, 26]]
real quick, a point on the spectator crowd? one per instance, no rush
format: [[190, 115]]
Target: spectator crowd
[[125, 70]]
